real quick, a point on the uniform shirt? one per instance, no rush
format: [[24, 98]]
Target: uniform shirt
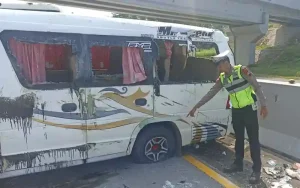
[[247, 75]]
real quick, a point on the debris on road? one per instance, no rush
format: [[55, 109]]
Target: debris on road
[[293, 174], [286, 166], [296, 166], [279, 174], [181, 184], [271, 162], [276, 172], [168, 184], [282, 183], [224, 153], [184, 185], [274, 169], [282, 174]]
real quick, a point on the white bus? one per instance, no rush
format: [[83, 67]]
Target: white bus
[[77, 89]]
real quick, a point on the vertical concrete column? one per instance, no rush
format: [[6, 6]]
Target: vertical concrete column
[[245, 38]]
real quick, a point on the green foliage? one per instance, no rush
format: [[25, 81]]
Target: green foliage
[[262, 47], [281, 62], [206, 52]]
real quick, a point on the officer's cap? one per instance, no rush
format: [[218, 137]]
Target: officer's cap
[[220, 57]]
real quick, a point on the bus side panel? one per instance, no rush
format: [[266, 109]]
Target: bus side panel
[[34, 131], [125, 107]]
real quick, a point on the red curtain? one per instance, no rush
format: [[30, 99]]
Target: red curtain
[[34, 58], [56, 56], [31, 59], [133, 68], [100, 57], [168, 46]]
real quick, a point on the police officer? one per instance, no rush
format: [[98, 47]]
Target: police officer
[[243, 90]]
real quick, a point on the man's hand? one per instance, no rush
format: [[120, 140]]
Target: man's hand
[[192, 112], [264, 112]]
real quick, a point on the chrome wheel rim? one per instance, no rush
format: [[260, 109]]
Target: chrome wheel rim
[[156, 148]]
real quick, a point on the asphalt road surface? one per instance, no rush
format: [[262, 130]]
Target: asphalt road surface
[[118, 173], [205, 171]]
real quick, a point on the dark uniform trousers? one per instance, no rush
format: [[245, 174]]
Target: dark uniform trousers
[[246, 118]]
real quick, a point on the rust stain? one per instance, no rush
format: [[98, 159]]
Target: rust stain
[[34, 159], [18, 112]]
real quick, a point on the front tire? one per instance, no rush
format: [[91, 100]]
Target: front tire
[[153, 145]]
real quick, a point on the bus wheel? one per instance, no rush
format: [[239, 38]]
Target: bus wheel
[[154, 145]]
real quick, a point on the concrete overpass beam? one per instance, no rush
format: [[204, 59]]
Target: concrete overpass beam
[[231, 12], [245, 38]]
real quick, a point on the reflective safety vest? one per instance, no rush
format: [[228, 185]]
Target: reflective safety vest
[[240, 91]]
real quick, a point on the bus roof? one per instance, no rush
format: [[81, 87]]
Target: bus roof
[[16, 15]]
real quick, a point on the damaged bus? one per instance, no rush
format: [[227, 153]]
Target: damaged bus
[[78, 89]]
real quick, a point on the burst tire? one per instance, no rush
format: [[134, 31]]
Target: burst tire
[[154, 145]]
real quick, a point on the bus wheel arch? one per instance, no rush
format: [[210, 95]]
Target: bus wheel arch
[[167, 128]]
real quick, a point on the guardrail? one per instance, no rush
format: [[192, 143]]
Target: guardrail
[[281, 129]]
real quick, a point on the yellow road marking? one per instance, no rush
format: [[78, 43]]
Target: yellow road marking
[[214, 175]]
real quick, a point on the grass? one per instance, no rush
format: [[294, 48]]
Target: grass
[[262, 47], [274, 25], [282, 62], [206, 53]]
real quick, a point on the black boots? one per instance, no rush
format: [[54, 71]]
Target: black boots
[[254, 178], [233, 168]]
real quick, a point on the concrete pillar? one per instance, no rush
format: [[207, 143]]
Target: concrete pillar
[[245, 38]]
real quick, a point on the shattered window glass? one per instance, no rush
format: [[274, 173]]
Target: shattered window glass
[[42, 63], [43, 60], [120, 60], [118, 65], [176, 65]]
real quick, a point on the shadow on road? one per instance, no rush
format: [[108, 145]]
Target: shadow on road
[[83, 176], [217, 156]]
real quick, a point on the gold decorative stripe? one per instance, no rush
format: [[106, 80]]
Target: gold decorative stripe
[[129, 100], [93, 126]]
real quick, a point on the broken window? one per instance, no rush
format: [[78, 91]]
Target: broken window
[[184, 67], [41, 63], [44, 60], [117, 65], [40, 59], [120, 60]]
